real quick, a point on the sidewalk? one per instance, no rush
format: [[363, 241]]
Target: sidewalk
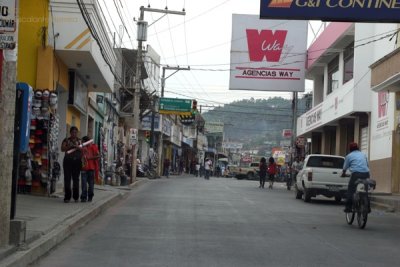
[[49, 221], [390, 203]]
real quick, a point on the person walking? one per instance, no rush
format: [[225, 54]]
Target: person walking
[[72, 164], [197, 169], [208, 167], [263, 171], [271, 172], [166, 167], [90, 157], [296, 167]]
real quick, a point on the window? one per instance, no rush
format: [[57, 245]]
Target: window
[[333, 75], [325, 162], [348, 58]]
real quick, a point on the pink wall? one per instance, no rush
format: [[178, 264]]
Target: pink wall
[[327, 38]]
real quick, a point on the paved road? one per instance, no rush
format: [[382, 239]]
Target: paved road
[[187, 221]]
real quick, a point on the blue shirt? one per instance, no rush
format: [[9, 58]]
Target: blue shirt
[[356, 161]]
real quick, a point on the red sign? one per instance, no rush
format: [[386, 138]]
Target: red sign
[[300, 141], [266, 43], [287, 133]]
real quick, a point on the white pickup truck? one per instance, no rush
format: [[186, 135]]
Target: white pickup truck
[[320, 175]]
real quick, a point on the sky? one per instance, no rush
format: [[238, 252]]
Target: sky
[[201, 39]]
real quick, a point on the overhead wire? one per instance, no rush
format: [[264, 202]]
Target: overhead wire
[[197, 16], [112, 21], [121, 17]]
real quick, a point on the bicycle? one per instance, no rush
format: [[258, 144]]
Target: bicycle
[[361, 202]]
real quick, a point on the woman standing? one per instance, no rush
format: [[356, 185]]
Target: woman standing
[[72, 164], [271, 171], [263, 171]]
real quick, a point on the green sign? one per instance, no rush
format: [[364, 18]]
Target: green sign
[[175, 106]]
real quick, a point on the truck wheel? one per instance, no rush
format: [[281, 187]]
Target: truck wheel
[[250, 176], [307, 195], [338, 199]]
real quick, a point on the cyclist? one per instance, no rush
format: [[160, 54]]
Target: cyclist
[[357, 163]]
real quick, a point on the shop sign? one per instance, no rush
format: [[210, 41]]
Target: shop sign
[[285, 143], [7, 24], [133, 136], [166, 126], [287, 133], [146, 123], [300, 141], [267, 55], [214, 127], [314, 117], [175, 106], [176, 135], [332, 10], [383, 104], [187, 141], [232, 145]]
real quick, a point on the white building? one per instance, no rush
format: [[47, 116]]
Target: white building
[[345, 109]]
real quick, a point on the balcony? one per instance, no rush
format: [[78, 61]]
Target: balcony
[[75, 45]]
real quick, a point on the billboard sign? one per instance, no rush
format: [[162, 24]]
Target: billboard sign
[[232, 145], [214, 127], [267, 55], [332, 10]]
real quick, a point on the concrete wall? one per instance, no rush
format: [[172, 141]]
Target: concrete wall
[[380, 170]]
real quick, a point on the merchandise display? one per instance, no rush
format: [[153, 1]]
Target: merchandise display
[[39, 169]]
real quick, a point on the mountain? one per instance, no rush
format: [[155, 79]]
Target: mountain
[[257, 123]]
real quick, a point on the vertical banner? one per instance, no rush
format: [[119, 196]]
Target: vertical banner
[[267, 55]]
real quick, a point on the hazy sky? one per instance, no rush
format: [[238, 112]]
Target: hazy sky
[[201, 40]]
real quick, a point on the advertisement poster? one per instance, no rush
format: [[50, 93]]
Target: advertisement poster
[[267, 55]]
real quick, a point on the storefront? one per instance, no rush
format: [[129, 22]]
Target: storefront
[[39, 168], [385, 122]]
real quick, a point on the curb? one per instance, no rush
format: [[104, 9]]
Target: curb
[[44, 244], [382, 206]]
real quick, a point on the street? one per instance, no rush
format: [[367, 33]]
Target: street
[[189, 221]]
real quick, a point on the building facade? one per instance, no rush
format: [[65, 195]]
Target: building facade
[[345, 109]]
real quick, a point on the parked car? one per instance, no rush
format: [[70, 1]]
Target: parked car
[[320, 175], [231, 170], [250, 172]]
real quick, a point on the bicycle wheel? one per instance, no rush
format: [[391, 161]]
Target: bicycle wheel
[[350, 217], [362, 213]]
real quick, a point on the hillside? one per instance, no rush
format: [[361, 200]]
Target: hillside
[[256, 122]]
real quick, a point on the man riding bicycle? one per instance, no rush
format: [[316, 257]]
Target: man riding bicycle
[[357, 163]]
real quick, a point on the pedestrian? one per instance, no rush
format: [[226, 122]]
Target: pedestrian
[[271, 172], [166, 167], [263, 171], [208, 167], [72, 164], [197, 169], [295, 168], [90, 155]]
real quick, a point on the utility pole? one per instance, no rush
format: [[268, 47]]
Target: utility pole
[[163, 78], [160, 141], [142, 37], [7, 115], [294, 125]]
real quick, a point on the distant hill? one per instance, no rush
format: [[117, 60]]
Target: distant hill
[[257, 123]]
